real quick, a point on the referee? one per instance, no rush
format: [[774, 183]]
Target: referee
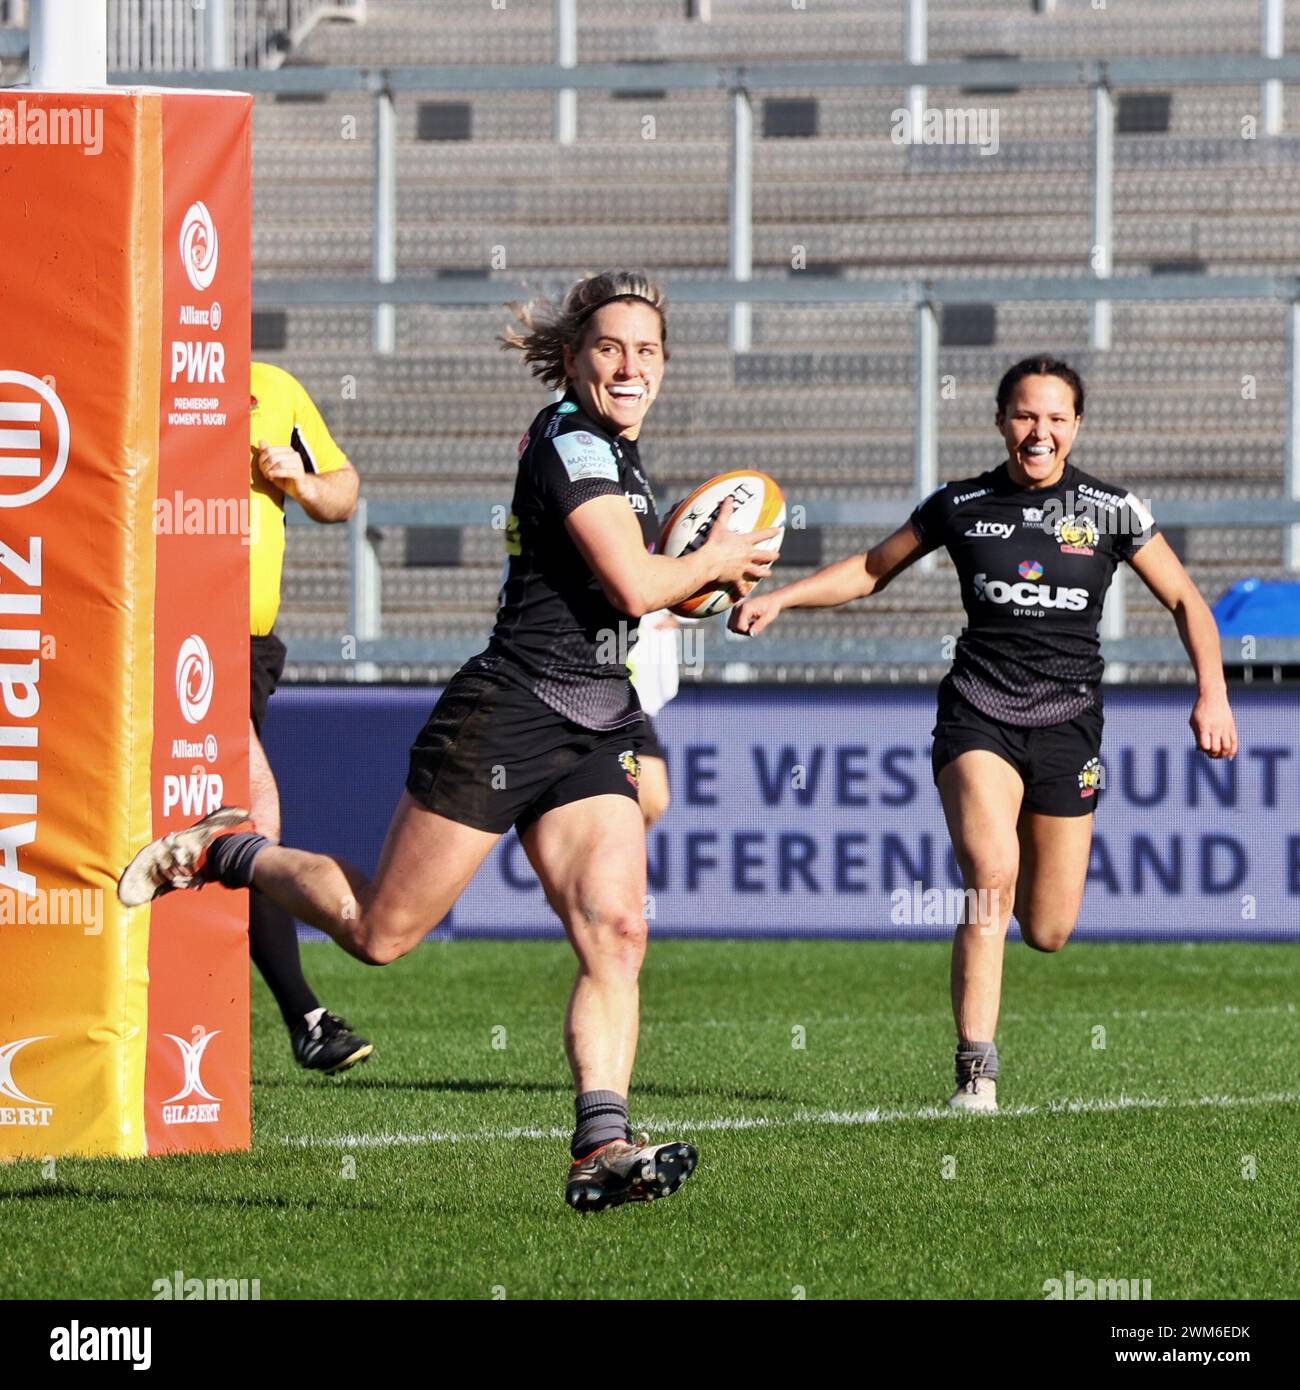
[[294, 456], [1017, 746]]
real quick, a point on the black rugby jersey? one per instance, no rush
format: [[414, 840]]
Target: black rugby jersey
[[556, 633], [1034, 565]]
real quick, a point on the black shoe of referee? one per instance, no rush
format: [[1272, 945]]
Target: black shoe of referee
[[329, 1047]]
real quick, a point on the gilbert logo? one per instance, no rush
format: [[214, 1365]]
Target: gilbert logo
[[22, 412], [28, 1111], [173, 1112], [194, 679], [199, 246]]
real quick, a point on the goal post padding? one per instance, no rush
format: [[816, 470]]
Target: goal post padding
[[124, 347]]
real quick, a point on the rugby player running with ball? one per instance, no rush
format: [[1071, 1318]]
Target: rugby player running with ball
[[540, 731], [1017, 744]]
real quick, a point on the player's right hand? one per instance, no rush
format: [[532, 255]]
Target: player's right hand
[[754, 614], [737, 561]]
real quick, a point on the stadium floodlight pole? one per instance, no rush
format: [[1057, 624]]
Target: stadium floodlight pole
[[566, 56], [384, 234], [365, 578], [68, 44], [1103, 186], [740, 231], [925, 427], [1114, 623], [915, 46], [1291, 452], [1270, 45], [216, 34]]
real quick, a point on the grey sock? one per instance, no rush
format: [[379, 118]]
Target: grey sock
[[230, 858], [976, 1059], [602, 1116]]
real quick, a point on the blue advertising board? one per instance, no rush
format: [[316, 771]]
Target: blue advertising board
[[811, 811]]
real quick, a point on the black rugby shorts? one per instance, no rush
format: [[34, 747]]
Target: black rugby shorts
[[266, 662], [1060, 764], [492, 756]]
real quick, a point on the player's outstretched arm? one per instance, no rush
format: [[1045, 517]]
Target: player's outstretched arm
[[635, 582], [1163, 573], [842, 582]]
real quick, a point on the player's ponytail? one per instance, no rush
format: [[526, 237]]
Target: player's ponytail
[[547, 328]]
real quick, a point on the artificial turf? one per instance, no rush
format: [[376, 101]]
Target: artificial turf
[[823, 1174]]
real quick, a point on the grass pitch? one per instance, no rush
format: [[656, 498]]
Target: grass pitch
[[806, 1072]]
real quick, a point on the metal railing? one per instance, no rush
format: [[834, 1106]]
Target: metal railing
[[212, 35], [738, 83]]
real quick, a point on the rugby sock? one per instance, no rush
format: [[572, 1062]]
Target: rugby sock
[[230, 858], [970, 1055], [273, 945], [602, 1116]]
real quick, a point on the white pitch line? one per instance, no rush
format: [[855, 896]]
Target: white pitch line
[[822, 1117]]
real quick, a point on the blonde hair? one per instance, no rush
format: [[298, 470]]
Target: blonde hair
[[548, 328]]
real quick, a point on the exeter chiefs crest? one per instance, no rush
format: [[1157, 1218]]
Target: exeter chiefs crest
[[631, 765], [1077, 535], [1092, 777]]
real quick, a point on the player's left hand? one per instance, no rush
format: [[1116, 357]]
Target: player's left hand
[[1214, 727], [280, 466]]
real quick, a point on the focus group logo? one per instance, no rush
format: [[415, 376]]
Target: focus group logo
[[196, 1112], [27, 469], [198, 792], [27, 1111]]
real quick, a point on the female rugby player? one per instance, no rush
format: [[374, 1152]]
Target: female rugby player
[[1017, 744], [539, 731]]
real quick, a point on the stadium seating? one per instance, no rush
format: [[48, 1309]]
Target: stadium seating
[[824, 399]]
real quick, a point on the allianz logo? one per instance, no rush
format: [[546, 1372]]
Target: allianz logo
[[1026, 595]]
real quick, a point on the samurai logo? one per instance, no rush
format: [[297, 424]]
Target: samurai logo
[[1077, 535], [1092, 777], [192, 1061], [631, 765]]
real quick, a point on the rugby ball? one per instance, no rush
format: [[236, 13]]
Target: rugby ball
[[759, 503]]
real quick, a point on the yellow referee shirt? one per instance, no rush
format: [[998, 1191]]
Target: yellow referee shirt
[[280, 412]]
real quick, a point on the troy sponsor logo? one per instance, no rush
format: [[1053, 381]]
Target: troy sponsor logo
[[28, 1111], [637, 502], [1027, 595], [197, 1112], [998, 530]]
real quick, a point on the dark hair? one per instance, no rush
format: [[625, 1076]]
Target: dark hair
[[1040, 366]]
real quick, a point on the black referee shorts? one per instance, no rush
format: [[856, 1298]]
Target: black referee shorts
[[492, 756], [1060, 764], [266, 660]]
